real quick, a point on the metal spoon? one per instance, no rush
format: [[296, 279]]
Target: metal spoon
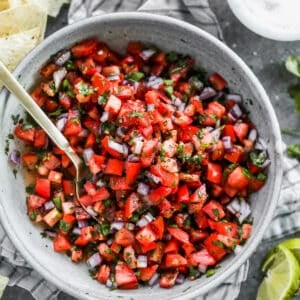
[[42, 120]]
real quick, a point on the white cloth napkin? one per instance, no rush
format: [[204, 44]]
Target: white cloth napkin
[[287, 218]]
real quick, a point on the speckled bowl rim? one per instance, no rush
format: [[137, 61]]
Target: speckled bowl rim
[[264, 222]]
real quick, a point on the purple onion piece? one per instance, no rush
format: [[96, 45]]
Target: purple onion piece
[[266, 163], [130, 226], [83, 133], [91, 211], [113, 77], [149, 217], [87, 154], [207, 92], [116, 146], [142, 222], [104, 117], [76, 231], [150, 107], [109, 283], [154, 279], [202, 268], [252, 135], [50, 234], [94, 260], [58, 76], [236, 111], [60, 124], [82, 223], [109, 242], [227, 143], [62, 57], [49, 205], [15, 157], [138, 146], [167, 237], [215, 134], [117, 225], [147, 53], [143, 189], [121, 131], [153, 178], [133, 158], [100, 183], [154, 82], [180, 279], [142, 261], [234, 97], [237, 250]]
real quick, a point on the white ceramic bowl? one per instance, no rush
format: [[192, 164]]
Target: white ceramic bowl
[[169, 34]]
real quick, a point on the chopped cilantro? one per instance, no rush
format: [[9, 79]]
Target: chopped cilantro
[[107, 203], [33, 215], [66, 85], [70, 65], [64, 226], [169, 90], [135, 76], [10, 136], [108, 127], [257, 158], [262, 176], [15, 119], [162, 154], [247, 173], [104, 229], [136, 114], [57, 202], [84, 89], [168, 82], [30, 189], [102, 99], [216, 212], [292, 64], [210, 272], [27, 127], [172, 56], [55, 113], [15, 172]]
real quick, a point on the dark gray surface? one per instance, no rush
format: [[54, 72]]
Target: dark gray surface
[[265, 57]]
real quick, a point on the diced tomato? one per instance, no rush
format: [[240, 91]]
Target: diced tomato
[[103, 274], [179, 234], [131, 205], [167, 279], [239, 178], [156, 254], [132, 170], [227, 228], [214, 210], [48, 69], [146, 235], [73, 125], [183, 193], [30, 160], [246, 231], [84, 48], [24, 133], [124, 237], [52, 217], [119, 183], [256, 183], [43, 187], [40, 138], [106, 252], [100, 195], [157, 195], [214, 247], [55, 177], [158, 227], [202, 257], [168, 179], [129, 257], [241, 130], [76, 255], [35, 201], [214, 173], [114, 167], [147, 273], [125, 277], [100, 83], [113, 105], [218, 81], [96, 163], [61, 243], [228, 130]]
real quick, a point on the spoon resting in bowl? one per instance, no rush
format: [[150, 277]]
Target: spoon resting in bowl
[[45, 123]]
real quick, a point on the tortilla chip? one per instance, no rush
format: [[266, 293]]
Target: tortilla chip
[[4, 4], [28, 16], [13, 48]]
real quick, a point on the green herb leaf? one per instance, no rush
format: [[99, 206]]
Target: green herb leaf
[[84, 89], [168, 82], [247, 173], [57, 202], [294, 92], [64, 226], [135, 76], [30, 189], [55, 113], [172, 56], [169, 90], [292, 64], [136, 114], [108, 127], [104, 228], [257, 158], [210, 272], [293, 150], [102, 99], [70, 65], [262, 176]]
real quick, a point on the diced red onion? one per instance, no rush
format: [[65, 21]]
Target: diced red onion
[[181, 107], [236, 111], [154, 279], [235, 97], [234, 206], [231, 117], [15, 157], [113, 77], [121, 131], [130, 226], [117, 225], [215, 134], [266, 163], [76, 231], [202, 268], [227, 143], [143, 189], [155, 82], [133, 158], [49, 205], [207, 92], [237, 249], [180, 279], [218, 123], [150, 107], [142, 261], [91, 211], [82, 223], [152, 177], [109, 242], [62, 57], [87, 154], [58, 76], [261, 144], [83, 133], [167, 237], [100, 183], [252, 134], [146, 54], [149, 217], [177, 102], [138, 146], [60, 124], [142, 222], [109, 283], [209, 129], [116, 146], [125, 150], [68, 207], [50, 233], [94, 260], [245, 211], [104, 117]]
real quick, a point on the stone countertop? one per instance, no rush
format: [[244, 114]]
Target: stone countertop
[[265, 57]]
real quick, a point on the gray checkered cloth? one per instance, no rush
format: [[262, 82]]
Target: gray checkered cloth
[[287, 218]]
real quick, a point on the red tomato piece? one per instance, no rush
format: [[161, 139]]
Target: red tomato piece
[[173, 260], [61, 243], [84, 48], [217, 81], [146, 235], [214, 173], [239, 178], [131, 205], [132, 170], [157, 195], [114, 167], [214, 247], [125, 277], [202, 257], [158, 227], [214, 210], [43, 187], [179, 234], [124, 237], [103, 274], [167, 279]]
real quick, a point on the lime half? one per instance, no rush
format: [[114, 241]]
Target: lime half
[[294, 246], [282, 275]]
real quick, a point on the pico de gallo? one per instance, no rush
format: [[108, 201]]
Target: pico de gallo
[[171, 159]]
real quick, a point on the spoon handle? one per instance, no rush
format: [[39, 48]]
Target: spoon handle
[[37, 113]]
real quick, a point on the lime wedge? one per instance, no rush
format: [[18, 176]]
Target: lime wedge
[[282, 275], [294, 246]]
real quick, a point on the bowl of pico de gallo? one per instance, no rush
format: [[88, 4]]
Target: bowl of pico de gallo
[[181, 148]]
